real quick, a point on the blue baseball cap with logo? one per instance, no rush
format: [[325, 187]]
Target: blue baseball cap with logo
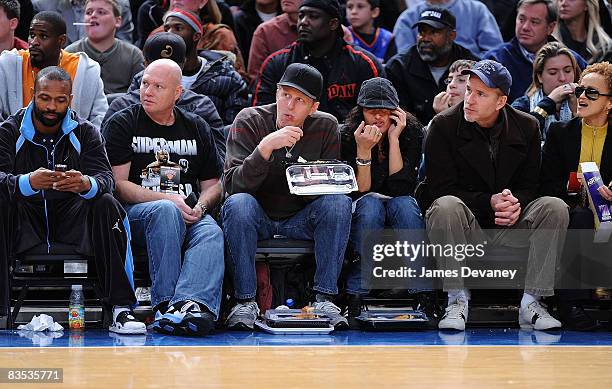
[[493, 74]]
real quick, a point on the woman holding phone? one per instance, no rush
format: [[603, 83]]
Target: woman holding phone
[[383, 145], [585, 138]]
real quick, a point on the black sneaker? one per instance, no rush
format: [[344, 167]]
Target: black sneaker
[[575, 318], [428, 303], [126, 323], [185, 318], [354, 310]]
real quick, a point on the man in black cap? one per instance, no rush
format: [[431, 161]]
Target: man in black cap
[[420, 73], [343, 66], [261, 142], [482, 165]]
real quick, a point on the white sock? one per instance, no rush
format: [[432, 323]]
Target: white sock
[[458, 294], [528, 299], [117, 309]]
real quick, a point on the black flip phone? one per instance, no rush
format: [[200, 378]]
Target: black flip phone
[[191, 200]]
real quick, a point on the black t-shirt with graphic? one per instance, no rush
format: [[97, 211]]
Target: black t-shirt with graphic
[[132, 136]]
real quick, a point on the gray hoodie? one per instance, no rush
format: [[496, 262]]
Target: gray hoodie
[[88, 101]]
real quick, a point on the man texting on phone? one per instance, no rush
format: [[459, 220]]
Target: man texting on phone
[[74, 204], [161, 157]]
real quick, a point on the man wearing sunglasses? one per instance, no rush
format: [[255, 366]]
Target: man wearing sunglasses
[[582, 139]]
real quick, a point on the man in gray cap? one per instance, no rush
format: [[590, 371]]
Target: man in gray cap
[[482, 165], [261, 142]]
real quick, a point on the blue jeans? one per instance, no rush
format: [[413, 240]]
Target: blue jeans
[[326, 220], [372, 214], [199, 275]]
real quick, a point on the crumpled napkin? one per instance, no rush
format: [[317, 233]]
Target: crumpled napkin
[[42, 339], [41, 322]]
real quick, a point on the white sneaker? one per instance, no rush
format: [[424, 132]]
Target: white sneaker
[[455, 316], [126, 323], [143, 295], [333, 312], [535, 316], [242, 317]]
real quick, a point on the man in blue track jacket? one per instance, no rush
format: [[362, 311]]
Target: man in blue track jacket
[[56, 186]]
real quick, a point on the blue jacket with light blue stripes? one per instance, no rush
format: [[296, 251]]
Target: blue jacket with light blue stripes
[[80, 147]]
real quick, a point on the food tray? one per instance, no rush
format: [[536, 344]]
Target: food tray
[[319, 178], [393, 320]]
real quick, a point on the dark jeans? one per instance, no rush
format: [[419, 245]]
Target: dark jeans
[[371, 214], [326, 220]]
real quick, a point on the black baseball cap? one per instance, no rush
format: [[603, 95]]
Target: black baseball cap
[[378, 92], [438, 18], [330, 7], [165, 45], [493, 74], [304, 78]]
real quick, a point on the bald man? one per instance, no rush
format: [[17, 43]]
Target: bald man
[[160, 156]]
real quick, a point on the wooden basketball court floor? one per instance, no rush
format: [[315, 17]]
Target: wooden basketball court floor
[[477, 358]]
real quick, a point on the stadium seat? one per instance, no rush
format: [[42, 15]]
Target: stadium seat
[[61, 266]]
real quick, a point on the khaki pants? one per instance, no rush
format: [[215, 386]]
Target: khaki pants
[[542, 226]]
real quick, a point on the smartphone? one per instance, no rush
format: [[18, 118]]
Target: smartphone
[[61, 168], [191, 200]]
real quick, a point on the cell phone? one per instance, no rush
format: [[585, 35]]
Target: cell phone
[[61, 168], [191, 200]]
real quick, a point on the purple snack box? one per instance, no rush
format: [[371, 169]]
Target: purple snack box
[[602, 209]]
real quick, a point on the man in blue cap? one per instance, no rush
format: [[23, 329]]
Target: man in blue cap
[[262, 140], [482, 165]]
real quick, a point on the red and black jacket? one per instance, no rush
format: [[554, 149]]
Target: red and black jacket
[[344, 68]]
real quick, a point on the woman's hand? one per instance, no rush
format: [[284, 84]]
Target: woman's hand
[[398, 123], [562, 92], [605, 192], [366, 136]]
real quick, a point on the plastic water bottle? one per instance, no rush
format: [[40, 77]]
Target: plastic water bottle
[[76, 308]]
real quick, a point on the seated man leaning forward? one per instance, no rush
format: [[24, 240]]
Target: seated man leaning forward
[[40, 204], [261, 142], [160, 154], [483, 161]]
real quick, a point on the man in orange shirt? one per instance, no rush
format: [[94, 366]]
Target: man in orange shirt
[[18, 69]]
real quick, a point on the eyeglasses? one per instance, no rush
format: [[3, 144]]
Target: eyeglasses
[[590, 93]]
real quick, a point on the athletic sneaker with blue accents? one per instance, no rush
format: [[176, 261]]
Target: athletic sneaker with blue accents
[[185, 318]]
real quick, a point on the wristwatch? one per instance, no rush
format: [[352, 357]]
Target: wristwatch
[[203, 207], [363, 162]]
